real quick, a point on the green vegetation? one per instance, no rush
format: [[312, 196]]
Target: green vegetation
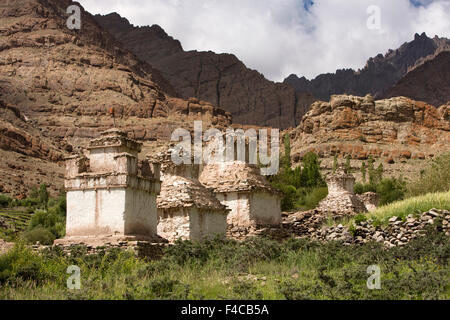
[[48, 225], [335, 163], [348, 166], [436, 178], [363, 172], [16, 221], [303, 188], [226, 269], [389, 189], [36, 218], [5, 201], [431, 190], [414, 205]]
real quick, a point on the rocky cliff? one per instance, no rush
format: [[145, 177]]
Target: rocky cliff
[[381, 73], [28, 158], [397, 132], [220, 78], [65, 82]]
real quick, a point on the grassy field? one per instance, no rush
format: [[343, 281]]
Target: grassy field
[[226, 269]]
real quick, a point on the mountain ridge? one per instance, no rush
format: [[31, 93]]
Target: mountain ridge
[[378, 75], [219, 78], [251, 98]]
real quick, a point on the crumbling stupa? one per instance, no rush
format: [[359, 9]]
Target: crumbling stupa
[[110, 195], [240, 186], [341, 200], [187, 209]]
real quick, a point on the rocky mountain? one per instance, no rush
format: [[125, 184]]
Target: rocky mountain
[[57, 87], [428, 82], [398, 132], [220, 78], [381, 73], [28, 158]]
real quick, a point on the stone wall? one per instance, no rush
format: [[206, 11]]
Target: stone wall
[[265, 208], [190, 224], [397, 232], [370, 200], [239, 205], [311, 225], [207, 224], [173, 224]]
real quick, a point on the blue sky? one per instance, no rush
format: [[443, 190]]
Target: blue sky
[[280, 37], [419, 3]]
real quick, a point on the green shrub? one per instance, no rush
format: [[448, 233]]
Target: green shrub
[[310, 175], [391, 190], [359, 218], [311, 198], [435, 178], [53, 219], [5, 201], [301, 187], [21, 264], [43, 235], [168, 289], [289, 196], [360, 188]]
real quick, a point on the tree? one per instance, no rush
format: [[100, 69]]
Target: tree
[[391, 190], [348, 166], [43, 194], [380, 170], [287, 151], [371, 171], [310, 175], [363, 171], [34, 193], [335, 163]]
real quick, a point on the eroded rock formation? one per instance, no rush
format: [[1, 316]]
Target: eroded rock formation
[[398, 131]]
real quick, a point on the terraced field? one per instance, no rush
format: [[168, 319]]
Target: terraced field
[[12, 222]]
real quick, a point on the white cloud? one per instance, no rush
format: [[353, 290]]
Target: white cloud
[[279, 37]]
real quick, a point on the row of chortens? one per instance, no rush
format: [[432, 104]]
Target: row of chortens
[[112, 196]]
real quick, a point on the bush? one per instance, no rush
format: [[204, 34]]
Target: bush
[[391, 190], [436, 178], [311, 198], [359, 218], [168, 289], [301, 187], [4, 201], [43, 235], [310, 175], [360, 188], [53, 219], [28, 203], [288, 201]]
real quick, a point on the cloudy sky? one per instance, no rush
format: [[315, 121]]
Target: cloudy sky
[[280, 37]]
